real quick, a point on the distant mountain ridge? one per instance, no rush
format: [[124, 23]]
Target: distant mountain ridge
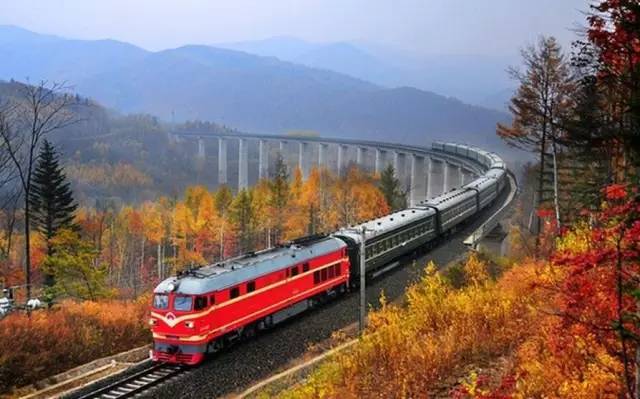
[[249, 92], [475, 79]]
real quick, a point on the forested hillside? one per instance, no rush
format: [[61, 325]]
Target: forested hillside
[[110, 157], [261, 94]]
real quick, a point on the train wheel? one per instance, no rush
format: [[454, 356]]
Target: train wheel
[[249, 332], [214, 346]]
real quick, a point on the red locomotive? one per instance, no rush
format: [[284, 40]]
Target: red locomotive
[[201, 310]]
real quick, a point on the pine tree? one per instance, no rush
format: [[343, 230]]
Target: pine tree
[[242, 215], [51, 199], [279, 187], [390, 187]]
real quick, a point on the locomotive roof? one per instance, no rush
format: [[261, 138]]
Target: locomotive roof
[[233, 271]]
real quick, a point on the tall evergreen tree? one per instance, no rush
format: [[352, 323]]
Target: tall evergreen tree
[[51, 199], [390, 187], [242, 215], [279, 198]]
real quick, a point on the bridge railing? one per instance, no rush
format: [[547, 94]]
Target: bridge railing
[[493, 221]]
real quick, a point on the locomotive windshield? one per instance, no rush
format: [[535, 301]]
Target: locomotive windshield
[[160, 301], [182, 303]]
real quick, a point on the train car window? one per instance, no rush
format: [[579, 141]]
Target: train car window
[[161, 301], [368, 252], [316, 277], [338, 270], [305, 267], [294, 271], [323, 274], [235, 292], [212, 300], [288, 273], [251, 286], [182, 303], [201, 302], [331, 272]]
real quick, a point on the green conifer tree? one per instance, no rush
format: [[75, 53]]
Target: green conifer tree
[[390, 187], [51, 200]]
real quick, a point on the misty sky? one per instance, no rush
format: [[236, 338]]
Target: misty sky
[[492, 27]]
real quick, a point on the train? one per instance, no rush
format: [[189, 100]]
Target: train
[[201, 310]]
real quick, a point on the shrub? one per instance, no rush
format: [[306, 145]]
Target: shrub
[[52, 341]]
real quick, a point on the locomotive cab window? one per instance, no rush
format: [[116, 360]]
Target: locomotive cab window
[[234, 293], [182, 303], [201, 302], [161, 301]]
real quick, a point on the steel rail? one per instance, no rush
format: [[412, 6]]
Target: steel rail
[[134, 384]]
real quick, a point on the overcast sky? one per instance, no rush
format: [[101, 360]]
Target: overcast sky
[[492, 27]]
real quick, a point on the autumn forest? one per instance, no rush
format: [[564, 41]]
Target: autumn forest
[[97, 207]]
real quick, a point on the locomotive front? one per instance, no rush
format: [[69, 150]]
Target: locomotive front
[[178, 323]]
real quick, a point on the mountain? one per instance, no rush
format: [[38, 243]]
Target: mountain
[[249, 92], [470, 78], [28, 55]]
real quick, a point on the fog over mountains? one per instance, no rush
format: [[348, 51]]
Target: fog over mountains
[[250, 92]]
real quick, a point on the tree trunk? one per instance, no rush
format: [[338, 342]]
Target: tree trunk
[[27, 244], [556, 200], [541, 183], [159, 261], [637, 376]]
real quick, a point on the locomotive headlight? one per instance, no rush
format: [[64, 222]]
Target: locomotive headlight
[[189, 324], [153, 322], [171, 287]]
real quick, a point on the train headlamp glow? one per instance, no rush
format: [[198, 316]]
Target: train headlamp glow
[[189, 324], [153, 322], [172, 287]]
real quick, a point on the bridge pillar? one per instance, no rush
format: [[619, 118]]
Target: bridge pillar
[[429, 178], [281, 147], [378, 165], [222, 161], [445, 171], [396, 164], [322, 162], [263, 159], [302, 162], [201, 151], [243, 159], [460, 176], [360, 156], [340, 160], [412, 183]]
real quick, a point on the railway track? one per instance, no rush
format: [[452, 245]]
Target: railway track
[[234, 370], [137, 383]]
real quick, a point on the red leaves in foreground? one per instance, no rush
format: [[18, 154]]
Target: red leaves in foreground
[[599, 295]]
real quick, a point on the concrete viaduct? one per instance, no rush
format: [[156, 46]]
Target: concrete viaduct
[[424, 171]]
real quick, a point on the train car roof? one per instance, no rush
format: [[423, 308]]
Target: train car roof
[[386, 223], [230, 272], [447, 199]]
